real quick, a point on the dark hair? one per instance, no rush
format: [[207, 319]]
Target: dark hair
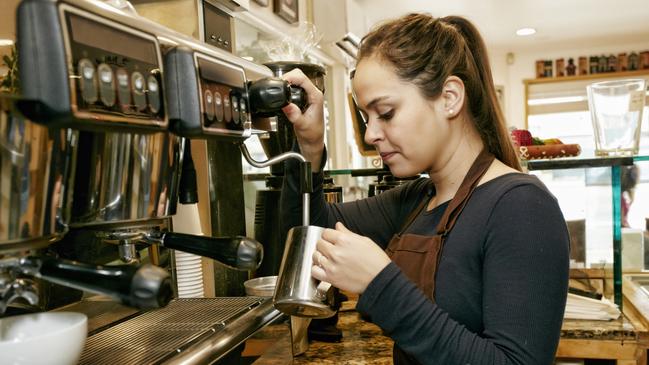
[[426, 51]]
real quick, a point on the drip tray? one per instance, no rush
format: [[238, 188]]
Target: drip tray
[[156, 336]]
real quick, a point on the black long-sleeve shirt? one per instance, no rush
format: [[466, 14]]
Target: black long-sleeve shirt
[[502, 280]]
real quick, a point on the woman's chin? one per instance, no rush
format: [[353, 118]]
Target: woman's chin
[[402, 172]]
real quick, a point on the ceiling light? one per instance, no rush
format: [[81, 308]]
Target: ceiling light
[[525, 31], [6, 42]]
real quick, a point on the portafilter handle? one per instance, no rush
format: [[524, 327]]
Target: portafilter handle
[[143, 287], [237, 252], [268, 95]]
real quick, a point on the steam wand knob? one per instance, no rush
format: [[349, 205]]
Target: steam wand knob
[[268, 95]]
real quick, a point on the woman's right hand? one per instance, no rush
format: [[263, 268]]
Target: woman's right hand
[[308, 125]]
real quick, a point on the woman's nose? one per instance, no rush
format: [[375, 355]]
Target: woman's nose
[[373, 132]]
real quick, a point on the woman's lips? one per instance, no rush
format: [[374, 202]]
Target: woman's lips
[[385, 156]]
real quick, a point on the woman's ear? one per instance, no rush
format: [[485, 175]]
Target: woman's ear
[[453, 96]]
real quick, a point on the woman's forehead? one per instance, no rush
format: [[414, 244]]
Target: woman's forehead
[[372, 78]]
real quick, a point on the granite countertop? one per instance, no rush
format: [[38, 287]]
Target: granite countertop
[[364, 342], [618, 329]]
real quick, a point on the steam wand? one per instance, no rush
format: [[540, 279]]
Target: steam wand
[[306, 182]]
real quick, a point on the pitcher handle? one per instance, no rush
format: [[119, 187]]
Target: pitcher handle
[[321, 291]]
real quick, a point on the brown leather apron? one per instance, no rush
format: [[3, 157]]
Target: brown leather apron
[[418, 256]]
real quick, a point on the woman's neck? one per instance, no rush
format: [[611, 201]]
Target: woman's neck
[[448, 175]]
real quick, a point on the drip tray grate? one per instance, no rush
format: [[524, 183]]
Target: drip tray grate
[[157, 335]]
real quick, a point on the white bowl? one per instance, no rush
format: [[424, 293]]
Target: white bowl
[[50, 338]]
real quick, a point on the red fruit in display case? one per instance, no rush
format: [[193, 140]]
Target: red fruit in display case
[[522, 137]]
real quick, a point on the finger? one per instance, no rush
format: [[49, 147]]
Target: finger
[[323, 261], [318, 273], [340, 227], [292, 112], [297, 78], [316, 258], [330, 235], [325, 248]]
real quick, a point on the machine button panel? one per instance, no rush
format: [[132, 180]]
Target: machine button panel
[[117, 75], [227, 83]]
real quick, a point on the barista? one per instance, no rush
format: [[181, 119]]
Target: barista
[[469, 265]]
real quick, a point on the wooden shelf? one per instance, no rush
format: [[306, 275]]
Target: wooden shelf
[[603, 75]]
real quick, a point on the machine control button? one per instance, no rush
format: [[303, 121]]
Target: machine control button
[[243, 110], [153, 93], [209, 106], [218, 106], [227, 108], [137, 87], [235, 109], [107, 89], [87, 69], [123, 89], [87, 80]]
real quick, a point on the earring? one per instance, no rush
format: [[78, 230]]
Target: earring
[[450, 111]]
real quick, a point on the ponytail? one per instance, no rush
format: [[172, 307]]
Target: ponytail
[[483, 102]]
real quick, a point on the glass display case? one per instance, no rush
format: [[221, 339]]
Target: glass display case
[[589, 190]]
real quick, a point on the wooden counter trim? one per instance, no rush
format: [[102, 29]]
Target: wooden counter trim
[[600, 349], [637, 298]]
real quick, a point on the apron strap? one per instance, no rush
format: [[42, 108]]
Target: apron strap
[[451, 214], [414, 213], [455, 207]]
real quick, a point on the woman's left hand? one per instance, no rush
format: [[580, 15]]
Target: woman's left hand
[[347, 260]]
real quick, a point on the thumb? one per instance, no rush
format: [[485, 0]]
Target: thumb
[[292, 112]]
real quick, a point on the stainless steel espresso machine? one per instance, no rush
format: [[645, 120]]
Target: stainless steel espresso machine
[[96, 178]]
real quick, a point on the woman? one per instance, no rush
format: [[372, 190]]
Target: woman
[[469, 265]]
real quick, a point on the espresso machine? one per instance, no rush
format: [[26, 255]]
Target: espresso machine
[[94, 171]]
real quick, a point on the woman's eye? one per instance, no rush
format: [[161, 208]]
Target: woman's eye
[[387, 116]]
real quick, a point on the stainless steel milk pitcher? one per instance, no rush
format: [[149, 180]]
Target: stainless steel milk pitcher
[[297, 293]]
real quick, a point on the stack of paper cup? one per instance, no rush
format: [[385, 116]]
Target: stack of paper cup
[[189, 272]]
